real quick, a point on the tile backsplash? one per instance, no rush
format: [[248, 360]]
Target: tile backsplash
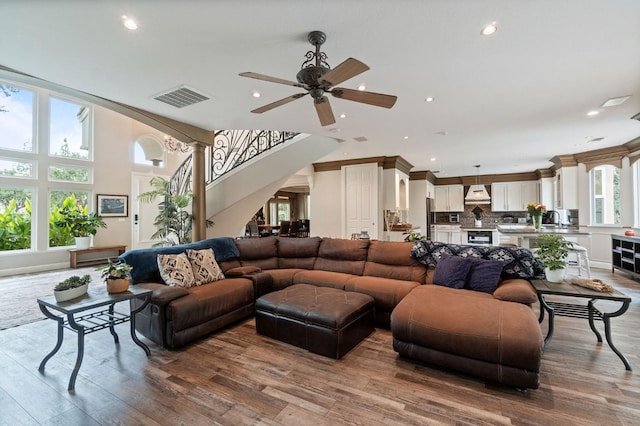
[[489, 217]]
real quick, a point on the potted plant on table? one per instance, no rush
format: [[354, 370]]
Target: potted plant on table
[[77, 219], [72, 287], [117, 276], [552, 253]]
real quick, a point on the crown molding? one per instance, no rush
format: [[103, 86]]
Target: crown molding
[[395, 162]]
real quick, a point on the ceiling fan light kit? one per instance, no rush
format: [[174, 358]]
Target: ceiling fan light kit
[[317, 78]]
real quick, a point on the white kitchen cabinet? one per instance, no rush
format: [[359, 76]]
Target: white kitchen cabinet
[[449, 198], [514, 196], [449, 234]]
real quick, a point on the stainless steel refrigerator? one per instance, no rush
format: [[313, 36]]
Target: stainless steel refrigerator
[[430, 217]]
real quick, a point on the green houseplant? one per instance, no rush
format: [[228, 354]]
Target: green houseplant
[[117, 276], [78, 221], [552, 253], [412, 236], [71, 287]]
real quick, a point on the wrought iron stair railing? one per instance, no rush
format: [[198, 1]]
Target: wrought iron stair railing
[[230, 149]]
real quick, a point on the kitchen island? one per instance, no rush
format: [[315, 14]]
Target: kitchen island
[[526, 233]]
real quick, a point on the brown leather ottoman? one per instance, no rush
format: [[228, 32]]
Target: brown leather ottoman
[[323, 320]]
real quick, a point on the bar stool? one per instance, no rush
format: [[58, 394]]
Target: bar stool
[[582, 260]]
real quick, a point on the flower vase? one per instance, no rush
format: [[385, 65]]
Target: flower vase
[[537, 222]]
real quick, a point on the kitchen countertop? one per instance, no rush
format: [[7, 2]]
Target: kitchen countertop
[[478, 228], [528, 231]]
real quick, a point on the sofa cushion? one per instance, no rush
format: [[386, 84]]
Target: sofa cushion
[[145, 266], [386, 292], [204, 266], [483, 275], [516, 290], [282, 278], [469, 324], [452, 271], [346, 256], [260, 252], [175, 270], [298, 253], [322, 278], [210, 301], [388, 259]]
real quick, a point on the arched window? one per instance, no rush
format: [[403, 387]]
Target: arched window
[[148, 150]]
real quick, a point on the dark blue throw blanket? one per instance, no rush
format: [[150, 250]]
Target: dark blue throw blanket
[[145, 265], [518, 262]]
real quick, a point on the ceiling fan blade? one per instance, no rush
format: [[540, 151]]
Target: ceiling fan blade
[[278, 103], [323, 108], [343, 72], [269, 78], [376, 99]]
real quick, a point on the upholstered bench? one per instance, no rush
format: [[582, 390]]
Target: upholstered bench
[[323, 320], [500, 341]]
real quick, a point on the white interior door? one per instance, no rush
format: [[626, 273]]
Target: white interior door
[[361, 199], [143, 213]]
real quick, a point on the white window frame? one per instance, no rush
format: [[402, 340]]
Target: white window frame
[[604, 196]]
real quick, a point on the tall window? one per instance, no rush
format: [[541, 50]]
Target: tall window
[[15, 218], [605, 195], [61, 147]]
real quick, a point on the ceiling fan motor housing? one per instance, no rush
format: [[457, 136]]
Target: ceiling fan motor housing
[[310, 75]]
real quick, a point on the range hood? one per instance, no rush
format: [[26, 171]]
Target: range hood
[[477, 195]]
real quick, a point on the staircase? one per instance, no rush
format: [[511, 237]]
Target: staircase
[[244, 168]]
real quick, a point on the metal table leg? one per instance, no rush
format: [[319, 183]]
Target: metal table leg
[[112, 330], [60, 322], [607, 333], [132, 320], [544, 306], [592, 310], [80, 331]]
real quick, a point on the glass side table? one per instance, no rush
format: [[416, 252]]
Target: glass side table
[[83, 316]]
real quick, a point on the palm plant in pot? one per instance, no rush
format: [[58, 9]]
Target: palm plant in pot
[[117, 276], [552, 253]]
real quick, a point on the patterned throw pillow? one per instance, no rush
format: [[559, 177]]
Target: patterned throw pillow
[[517, 262], [175, 270], [204, 266]]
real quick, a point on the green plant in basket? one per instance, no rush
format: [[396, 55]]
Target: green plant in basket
[[553, 251], [72, 282]]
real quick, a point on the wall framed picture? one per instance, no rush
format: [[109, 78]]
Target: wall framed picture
[[113, 205]]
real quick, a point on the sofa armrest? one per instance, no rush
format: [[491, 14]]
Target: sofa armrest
[[162, 294], [516, 290]]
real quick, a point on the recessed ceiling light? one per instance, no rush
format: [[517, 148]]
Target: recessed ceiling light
[[406, 137], [489, 29], [432, 159], [343, 115], [615, 101], [592, 113], [430, 99], [129, 23], [362, 87], [255, 94]]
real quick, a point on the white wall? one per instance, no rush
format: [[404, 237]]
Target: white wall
[[326, 204]]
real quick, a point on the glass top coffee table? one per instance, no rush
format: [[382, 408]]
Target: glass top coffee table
[[83, 315], [588, 311]]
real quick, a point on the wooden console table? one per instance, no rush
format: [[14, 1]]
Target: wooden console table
[[74, 253]]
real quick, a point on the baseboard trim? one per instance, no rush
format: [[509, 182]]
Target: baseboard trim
[[34, 268]]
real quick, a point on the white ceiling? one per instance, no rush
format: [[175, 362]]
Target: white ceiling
[[508, 102]]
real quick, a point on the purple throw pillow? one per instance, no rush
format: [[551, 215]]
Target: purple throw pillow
[[484, 275], [451, 271]]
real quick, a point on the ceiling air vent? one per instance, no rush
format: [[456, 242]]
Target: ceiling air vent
[[360, 139], [181, 97]]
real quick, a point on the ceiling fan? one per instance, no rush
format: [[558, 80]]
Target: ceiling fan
[[317, 78]]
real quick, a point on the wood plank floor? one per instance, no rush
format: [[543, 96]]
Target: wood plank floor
[[238, 377]]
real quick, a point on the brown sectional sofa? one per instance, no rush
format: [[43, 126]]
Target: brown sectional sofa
[[492, 336]]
